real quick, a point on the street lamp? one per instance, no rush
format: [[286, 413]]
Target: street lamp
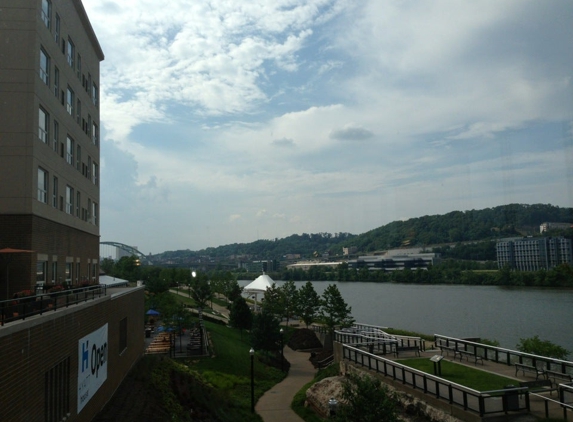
[[193, 275], [252, 353], [332, 405], [282, 351]]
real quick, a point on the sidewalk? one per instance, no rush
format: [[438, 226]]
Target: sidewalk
[[274, 405]]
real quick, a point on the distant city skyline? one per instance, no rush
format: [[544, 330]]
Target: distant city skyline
[[227, 122]]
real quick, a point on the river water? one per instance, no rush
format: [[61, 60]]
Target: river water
[[492, 312]]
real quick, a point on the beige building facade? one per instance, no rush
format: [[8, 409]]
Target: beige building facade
[[49, 144]]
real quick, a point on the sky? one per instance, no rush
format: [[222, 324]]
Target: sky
[[228, 122]]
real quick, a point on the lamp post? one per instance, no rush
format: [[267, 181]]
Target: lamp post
[[252, 353], [332, 405], [282, 351]]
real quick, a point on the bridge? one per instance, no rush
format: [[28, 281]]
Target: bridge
[[129, 249]]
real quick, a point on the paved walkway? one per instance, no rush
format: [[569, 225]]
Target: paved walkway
[[275, 403]]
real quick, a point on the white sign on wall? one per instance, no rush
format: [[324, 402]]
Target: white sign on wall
[[92, 365]]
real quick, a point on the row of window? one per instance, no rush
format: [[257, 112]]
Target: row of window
[[71, 151], [69, 49], [72, 273], [68, 99], [72, 198]]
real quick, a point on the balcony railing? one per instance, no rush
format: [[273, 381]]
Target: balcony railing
[[25, 307]]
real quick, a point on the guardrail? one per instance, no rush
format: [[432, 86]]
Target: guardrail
[[377, 337], [504, 356], [22, 308], [482, 403]]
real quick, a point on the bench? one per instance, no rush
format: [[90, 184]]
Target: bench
[[539, 386], [448, 349], [558, 375], [468, 355], [528, 368], [398, 349]]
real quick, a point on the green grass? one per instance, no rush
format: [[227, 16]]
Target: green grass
[[461, 374], [229, 369]]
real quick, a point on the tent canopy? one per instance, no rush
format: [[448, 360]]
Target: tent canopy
[[260, 284], [152, 312]]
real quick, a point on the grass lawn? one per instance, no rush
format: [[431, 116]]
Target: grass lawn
[[461, 374], [229, 368]]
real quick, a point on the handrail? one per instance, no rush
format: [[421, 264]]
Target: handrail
[[505, 356], [482, 403], [23, 307]]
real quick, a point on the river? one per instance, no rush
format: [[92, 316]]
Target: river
[[493, 312]]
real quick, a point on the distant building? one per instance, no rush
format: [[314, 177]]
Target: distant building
[[395, 261], [307, 265], [544, 227], [349, 250], [533, 254]]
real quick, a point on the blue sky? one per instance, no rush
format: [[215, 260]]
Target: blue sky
[[227, 121]]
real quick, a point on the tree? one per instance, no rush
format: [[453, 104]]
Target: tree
[[308, 303], [366, 399], [274, 300], [289, 299], [536, 346], [201, 291], [240, 316], [265, 332], [334, 310]]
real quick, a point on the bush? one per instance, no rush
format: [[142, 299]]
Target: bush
[[536, 346]]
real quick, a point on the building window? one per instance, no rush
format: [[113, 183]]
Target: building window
[[56, 81], [122, 335], [69, 200], [54, 271], [57, 30], [56, 135], [44, 67], [42, 185], [79, 67], [78, 205], [69, 269], [46, 12], [95, 173], [95, 214], [43, 125], [41, 268], [79, 112], [55, 192], [79, 158], [95, 95], [70, 151], [95, 134], [77, 272], [70, 97], [70, 53], [57, 392], [89, 169]]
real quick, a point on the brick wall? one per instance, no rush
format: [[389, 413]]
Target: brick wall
[[42, 236], [30, 348]]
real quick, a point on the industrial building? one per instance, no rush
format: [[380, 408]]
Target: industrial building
[[534, 253]]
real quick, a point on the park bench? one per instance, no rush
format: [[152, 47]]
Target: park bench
[[447, 349], [558, 375], [398, 349], [538, 386], [528, 368], [468, 355]]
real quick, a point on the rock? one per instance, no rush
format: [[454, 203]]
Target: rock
[[319, 394]]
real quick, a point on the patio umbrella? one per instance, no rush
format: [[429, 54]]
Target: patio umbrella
[[10, 251], [152, 312]]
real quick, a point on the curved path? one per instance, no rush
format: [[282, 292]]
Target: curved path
[[274, 405]]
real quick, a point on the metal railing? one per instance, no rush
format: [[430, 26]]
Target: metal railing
[[482, 403], [24, 307], [369, 335], [504, 356]]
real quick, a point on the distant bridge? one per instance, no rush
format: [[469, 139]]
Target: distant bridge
[[130, 250]]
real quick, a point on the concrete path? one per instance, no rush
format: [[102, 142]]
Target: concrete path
[[275, 403]]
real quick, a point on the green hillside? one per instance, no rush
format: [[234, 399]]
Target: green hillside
[[453, 227]]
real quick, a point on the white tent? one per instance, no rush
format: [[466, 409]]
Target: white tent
[[259, 285], [112, 281]]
